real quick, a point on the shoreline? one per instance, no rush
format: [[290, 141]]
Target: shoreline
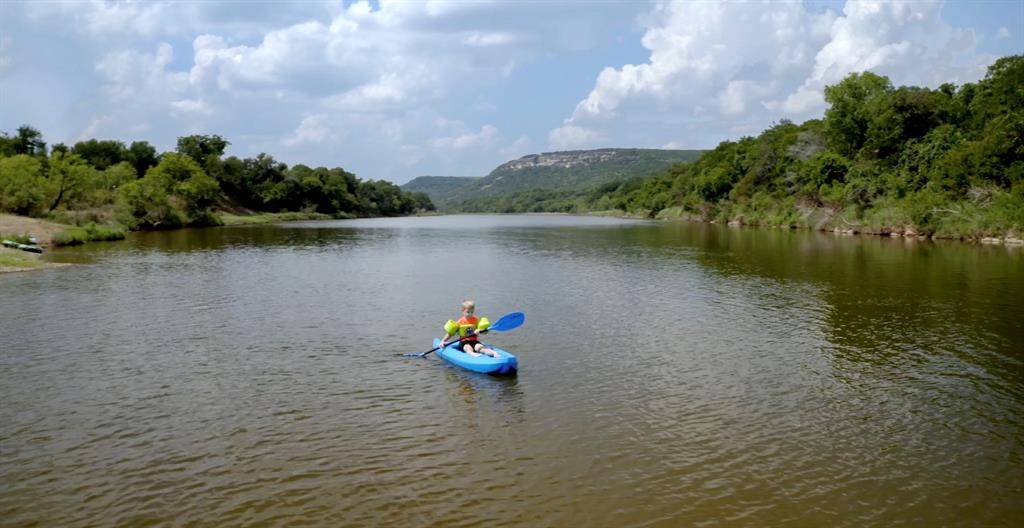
[[16, 260], [905, 233]]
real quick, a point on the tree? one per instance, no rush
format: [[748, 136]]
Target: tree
[[142, 156], [101, 153], [174, 192], [202, 148], [22, 185], [1000, 90], [905, 114], [848, 118], [70, 178], [7, 147], [29, 141]]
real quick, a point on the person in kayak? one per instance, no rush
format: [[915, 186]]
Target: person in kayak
[[467, 328]]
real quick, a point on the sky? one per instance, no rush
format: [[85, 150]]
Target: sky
[[394, 90]]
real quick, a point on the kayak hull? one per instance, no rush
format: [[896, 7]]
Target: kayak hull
[[504, 364]]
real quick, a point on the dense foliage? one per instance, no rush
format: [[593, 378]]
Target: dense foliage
[[945, 162], [106, 182]]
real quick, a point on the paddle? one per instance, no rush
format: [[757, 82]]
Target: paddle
[[506, 323]]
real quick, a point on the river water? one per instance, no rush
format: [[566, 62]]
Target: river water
[[670, 375]]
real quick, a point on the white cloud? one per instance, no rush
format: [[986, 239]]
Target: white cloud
[[485, 137], [132, 74], [90, 131], [186, 107], [98, 18], [699, 48], [905, 40], [720, 67], [312, 129], [571, 136], [1003, 33]]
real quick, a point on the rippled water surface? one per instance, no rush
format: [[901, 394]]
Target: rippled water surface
[[670, 375]]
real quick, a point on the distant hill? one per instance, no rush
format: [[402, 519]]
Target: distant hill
[[439, 188], [559, 173]]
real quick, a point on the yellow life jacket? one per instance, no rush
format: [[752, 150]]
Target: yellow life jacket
[[465, 325]]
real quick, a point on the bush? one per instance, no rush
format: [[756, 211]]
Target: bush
[[74, 236]]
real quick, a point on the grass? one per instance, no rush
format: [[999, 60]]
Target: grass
[[268, 218], [15, 260], [89, 233]]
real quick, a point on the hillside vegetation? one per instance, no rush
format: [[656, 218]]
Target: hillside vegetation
[[538, 181], [105, 186], [947, 162], [439, 188]]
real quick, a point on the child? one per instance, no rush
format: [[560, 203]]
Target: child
[[467, 328]]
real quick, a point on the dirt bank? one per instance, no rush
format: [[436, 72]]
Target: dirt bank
[[43, 230]]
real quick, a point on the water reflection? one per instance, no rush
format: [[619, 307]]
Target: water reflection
[[672, 374]]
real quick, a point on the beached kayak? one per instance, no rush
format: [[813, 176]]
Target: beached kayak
[[506, 364]]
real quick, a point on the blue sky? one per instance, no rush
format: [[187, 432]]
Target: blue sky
[[394, 90]]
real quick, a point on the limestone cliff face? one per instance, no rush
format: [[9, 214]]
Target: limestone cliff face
[[564, 160]]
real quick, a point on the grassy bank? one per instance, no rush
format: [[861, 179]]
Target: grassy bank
[[17, 260], [13, 260], [231, 219], [74, 236], [878, 223]]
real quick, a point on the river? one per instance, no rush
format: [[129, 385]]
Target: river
[[670, 375]]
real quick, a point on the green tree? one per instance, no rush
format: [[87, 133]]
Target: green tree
[[848, 118], [22, 185], [101, 153], [905, 114], [29, 141], [142, 156], [1001, 90], [71, 179], [202, 148], [174, 192], [7, 145], [145, 204]]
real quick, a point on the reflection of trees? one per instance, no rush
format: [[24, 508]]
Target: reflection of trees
[[878, 297], [264, 236]]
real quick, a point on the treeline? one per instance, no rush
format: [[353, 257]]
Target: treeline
[[945, 162], [107, 181]]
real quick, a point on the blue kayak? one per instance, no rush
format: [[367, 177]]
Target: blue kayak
[[505, 364]]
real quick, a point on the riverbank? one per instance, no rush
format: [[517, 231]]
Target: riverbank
[[44, 231], [815, 220]]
